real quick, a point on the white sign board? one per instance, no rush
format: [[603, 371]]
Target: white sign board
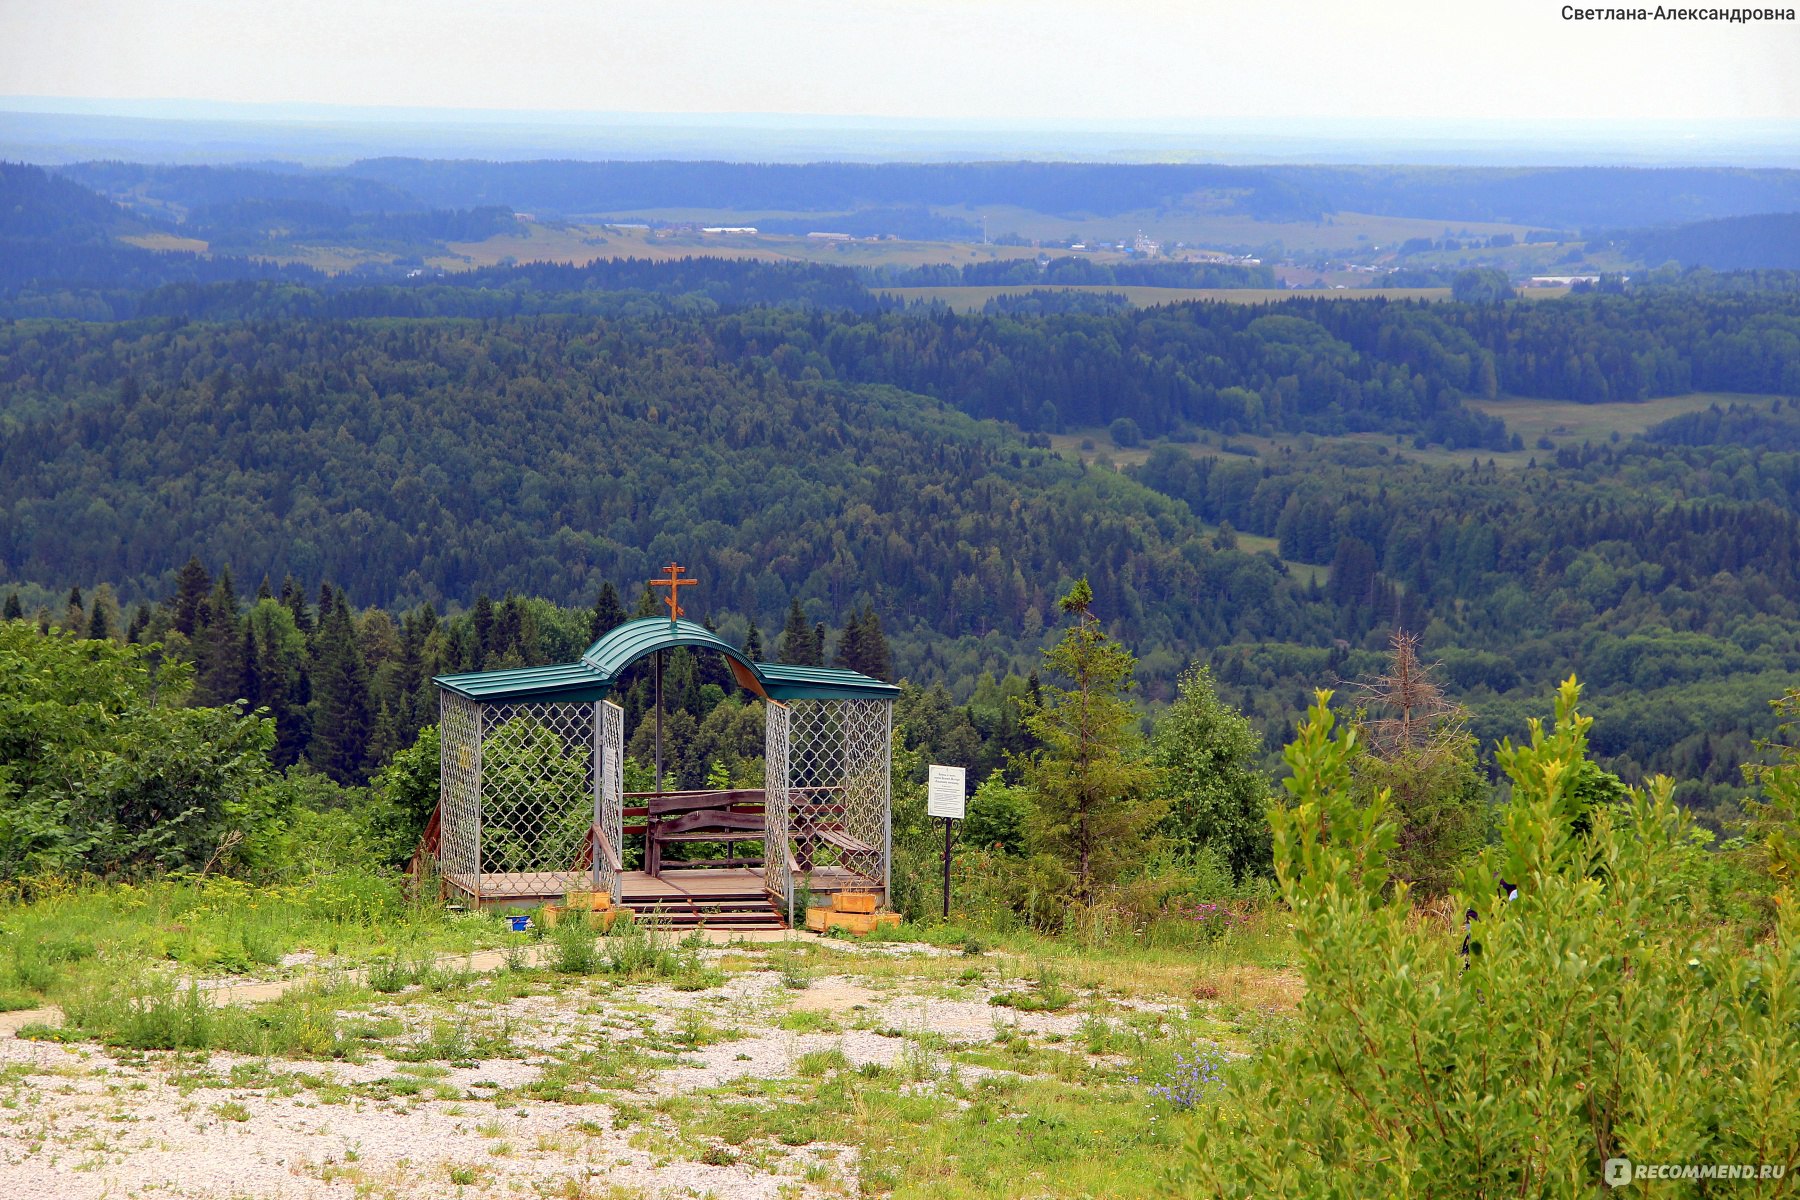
[[946, 789]]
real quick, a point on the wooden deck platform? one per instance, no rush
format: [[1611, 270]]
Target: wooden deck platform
[[524, 890]]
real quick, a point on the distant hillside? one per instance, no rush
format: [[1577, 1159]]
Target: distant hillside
[[1574, 198], [37, 204], [180, 190], [575, 188], [1571, 198], [1769, 240]]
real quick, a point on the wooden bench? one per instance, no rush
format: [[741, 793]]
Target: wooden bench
[[727, 815]]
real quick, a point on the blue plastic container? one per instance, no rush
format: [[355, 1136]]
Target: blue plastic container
[[520, 924]]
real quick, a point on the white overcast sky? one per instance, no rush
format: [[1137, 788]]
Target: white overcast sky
[[971, 59]]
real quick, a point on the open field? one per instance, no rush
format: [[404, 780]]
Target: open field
[[1564, 422], [580, 244], [633, 1067], [1197, 226], [971, 299], [166, 242]]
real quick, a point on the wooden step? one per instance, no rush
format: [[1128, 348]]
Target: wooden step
[[741, 910]]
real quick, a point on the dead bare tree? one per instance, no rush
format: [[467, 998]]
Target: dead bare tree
[[1418, 719]]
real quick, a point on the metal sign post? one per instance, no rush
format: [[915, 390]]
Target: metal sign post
[[946, 789]]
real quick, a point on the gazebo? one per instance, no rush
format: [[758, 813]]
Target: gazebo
[[533, 801]]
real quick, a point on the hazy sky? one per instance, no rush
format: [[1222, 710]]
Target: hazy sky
[[993, 59]]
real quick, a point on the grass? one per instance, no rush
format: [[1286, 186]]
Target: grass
[[1042, 1103], [58, 935], [1563, 422], [1567, 423]]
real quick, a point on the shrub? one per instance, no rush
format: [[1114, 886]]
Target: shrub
[[1599, 1014]]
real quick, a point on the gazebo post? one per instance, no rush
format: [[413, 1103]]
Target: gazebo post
[[596, 766]]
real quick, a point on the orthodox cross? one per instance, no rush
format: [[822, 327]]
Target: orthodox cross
[[674, 582]]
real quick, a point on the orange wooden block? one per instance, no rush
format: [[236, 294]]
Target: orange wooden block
[[816, 918], [854, 902], [857, 923]]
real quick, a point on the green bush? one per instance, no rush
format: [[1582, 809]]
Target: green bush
[[1604, 1012]]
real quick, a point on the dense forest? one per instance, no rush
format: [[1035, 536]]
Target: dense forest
[[796, 456]]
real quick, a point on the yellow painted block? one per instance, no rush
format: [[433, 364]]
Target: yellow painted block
[[597, 918], [816, 918], [590, 901], [886, 919], [854, 902], [857, 923]]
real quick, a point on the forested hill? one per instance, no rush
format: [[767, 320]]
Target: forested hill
[[1577, 198], [438, 460]]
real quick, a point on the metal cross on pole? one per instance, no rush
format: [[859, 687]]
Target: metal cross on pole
[[674, 582]]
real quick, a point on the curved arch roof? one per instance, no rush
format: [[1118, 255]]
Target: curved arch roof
[[600, 666]]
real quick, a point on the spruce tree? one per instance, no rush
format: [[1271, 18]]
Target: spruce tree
[[192, 585], [648, 605], [796, 644], [608, 612], [75, 614], [293, 598], [481, 621], [753, 646], [218, 646], [1088, 778], [342, 712], [97, 628], [862, 646], [140, 624], [14, 610], [816, 648]]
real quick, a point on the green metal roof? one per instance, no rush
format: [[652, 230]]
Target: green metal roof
[[633, 640], [598, 671], [787, 682]]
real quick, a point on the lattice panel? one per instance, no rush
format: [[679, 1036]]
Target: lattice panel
[[776, 878], [838, 773], [459, 811], [612, 791], [537, 796]]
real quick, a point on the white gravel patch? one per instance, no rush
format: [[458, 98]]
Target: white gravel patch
[[75, 1124]]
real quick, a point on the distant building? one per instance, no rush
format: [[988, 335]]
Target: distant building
[[728, 229], [831, 237], [1561, 280]]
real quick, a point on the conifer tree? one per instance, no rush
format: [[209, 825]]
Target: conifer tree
[[16, 611], [648, 605], [75, 614], [862, 646], [342, 714], [293, 598], [1089, 780], [753, 645], [192, 586], [796, 644], [481, 621], [608, 613], [816, 649], [140, 623], [218, 646], [97, 628]]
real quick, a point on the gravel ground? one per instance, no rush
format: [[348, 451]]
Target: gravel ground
[[79, 1124]]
